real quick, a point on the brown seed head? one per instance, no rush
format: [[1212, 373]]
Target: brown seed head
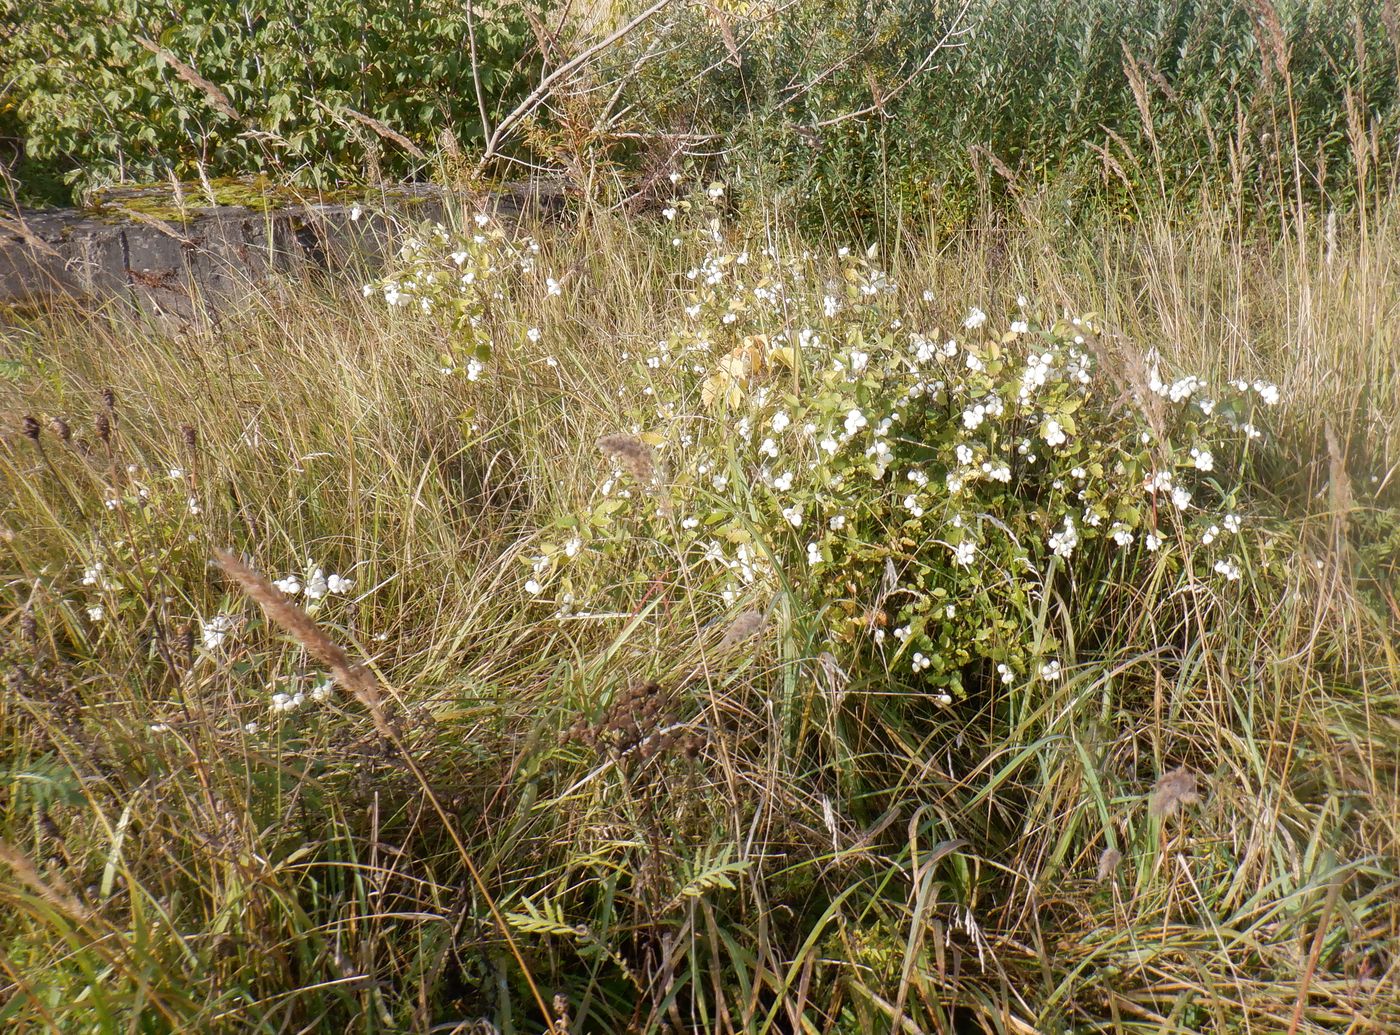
[[745, 625], [30, 427], [53, 890], [191, 438], [102, 427], [631, 454], [60, 427], [1174, 790], [352, 675], [185, 638], [1108, 863], [16, 682], [561, 1003]]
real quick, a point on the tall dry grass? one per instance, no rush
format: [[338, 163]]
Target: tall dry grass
[[1197, 830]]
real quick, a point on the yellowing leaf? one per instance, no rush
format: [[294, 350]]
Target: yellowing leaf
[[784, 356], [720, 389], [711, 389], [733, 366]]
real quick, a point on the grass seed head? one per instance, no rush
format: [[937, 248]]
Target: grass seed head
[[745, 625], [279, 608], [1174, 790], [1108, 864]]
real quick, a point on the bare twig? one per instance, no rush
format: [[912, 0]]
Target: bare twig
[[546, 86], [387, 132], [215, 96], [476, 71]]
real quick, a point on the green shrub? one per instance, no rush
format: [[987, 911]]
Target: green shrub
[[91, 99], [921, 495]]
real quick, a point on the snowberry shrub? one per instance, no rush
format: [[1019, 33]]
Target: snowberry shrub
[[802, 428]]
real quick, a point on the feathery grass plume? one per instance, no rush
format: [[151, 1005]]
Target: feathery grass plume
[[1108, 864], [216, 97], [1132, 372], [632, 454], [60, 428], [1174, 790], [1340, 498], [55, 894], [278, 607]]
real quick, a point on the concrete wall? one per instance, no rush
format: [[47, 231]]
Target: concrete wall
[[172, 268]]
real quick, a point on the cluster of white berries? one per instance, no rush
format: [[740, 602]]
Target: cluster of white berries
[[283, 702], [1063, 542], [317, 586]]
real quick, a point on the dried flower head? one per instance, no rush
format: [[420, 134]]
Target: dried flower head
[[640, 722], [745, 625], [102, 427], [693, 744], [1108, 863], [1173, 791], [60, 428], [190, 436], [632, 454], [185, 639], [561, 1023], [109, 400], [30, 428]]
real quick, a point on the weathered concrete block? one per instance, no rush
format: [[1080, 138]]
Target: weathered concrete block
[[210, 257]]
